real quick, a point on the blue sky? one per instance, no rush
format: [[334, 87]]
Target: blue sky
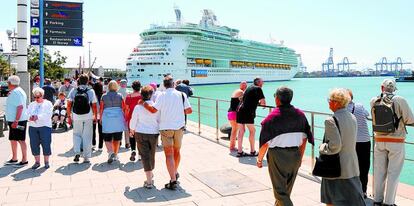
[[364, 31]]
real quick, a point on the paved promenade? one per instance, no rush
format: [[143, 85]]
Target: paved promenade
[[209, 176]]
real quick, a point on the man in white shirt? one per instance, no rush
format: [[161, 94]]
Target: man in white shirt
[[284, 132], [172, 105]]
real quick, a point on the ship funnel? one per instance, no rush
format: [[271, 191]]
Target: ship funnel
[[177, 14]]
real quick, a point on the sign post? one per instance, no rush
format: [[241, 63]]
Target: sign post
[[55, 23], [41, 55]]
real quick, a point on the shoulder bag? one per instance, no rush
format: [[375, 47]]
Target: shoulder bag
[[328, 166]]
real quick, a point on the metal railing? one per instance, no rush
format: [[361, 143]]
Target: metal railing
[[217, 109]]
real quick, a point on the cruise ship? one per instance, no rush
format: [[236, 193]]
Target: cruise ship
[[207, 53]]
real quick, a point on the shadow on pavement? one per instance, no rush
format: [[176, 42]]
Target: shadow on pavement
[[7, 170], [131, 166], [27, 174], [251, 161], [73, 168], [142, 194], [69, 153], [105, 167]]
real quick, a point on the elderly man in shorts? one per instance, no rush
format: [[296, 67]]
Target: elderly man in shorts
[[16, 117], [172, 105]]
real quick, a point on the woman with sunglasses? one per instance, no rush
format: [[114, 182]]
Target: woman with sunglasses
[[40, 113]]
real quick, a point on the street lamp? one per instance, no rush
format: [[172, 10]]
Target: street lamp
[[12, 35]]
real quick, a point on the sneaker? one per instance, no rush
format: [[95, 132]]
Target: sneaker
[[116, 158], [100, 150], [132, 158], [21, 164], [76, 159], [36, 165], [149, 185], [47, 165], [93, 147], [11, 162], [127, 145], [111, 158], [86, 160], [54, 126]]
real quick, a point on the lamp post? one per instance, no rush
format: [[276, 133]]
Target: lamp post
[[89, 42]]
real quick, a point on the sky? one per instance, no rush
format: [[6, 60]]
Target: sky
[[364, 31]]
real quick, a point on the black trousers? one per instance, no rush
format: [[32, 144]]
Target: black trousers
[[363, 150], [101, 138]]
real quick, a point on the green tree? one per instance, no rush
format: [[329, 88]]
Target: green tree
[[53, 66], [5, 69]]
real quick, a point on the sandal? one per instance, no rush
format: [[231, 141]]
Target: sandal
[[172, 185], [253, 154], [241, 154], [177, 175]]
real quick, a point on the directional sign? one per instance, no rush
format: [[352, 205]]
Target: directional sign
[[63, 23], [60, 23], [63, 5], [65, 32], [62, 14], [62, 41]]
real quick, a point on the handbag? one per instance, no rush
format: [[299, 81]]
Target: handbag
[[328, 166]]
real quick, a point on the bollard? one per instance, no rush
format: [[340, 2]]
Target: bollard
[[1, 126]]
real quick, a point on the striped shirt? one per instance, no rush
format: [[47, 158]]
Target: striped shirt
[[361, 115]]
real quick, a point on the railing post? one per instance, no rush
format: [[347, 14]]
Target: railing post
[[199, 116], [270, 110], [373, 160], [217, 120], [313, 146]]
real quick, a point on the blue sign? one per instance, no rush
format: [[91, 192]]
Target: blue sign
[[77, 41], [34, 40], [34, 22]]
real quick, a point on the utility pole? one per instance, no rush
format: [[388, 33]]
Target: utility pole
[[90, 64], [21, 69]]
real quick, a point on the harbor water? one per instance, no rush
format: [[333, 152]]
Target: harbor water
[[309, 94]]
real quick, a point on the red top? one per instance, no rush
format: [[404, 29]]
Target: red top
[[131, 102]]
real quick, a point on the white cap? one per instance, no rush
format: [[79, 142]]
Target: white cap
[[14, 80], [389, 85]]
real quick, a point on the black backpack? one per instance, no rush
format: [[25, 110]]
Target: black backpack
[[81, 102], [384, 118]]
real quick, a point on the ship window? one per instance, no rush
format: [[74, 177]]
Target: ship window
[[168, 63], [151, 75], [137, 63], [164, 63], [172, 63]]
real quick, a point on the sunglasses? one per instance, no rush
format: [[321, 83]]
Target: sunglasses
[[37, 97]]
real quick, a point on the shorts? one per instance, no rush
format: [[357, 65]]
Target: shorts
[[147, 146], [172, 138], [245, 117], [116, 136], [17, 134], [231, 116]]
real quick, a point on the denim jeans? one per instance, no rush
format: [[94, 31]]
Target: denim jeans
[[40, 136]]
